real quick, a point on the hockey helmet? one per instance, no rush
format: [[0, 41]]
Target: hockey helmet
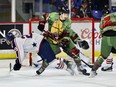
[[63, 10], [10, 36]]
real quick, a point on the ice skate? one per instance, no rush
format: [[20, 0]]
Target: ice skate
[[107, 68], [93, 73], [42, 68], [81, 70]]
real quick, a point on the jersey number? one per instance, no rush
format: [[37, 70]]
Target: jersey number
[[106, 22]]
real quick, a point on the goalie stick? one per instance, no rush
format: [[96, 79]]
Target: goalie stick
[[90, 66], [39, 60]]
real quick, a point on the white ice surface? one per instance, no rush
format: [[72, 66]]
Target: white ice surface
[[52, 77]]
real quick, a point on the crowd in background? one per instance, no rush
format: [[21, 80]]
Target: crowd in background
[[89, 8], [83, 8], [80, 9], [25, 9]]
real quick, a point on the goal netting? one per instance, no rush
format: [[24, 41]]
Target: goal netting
[[84, 27]]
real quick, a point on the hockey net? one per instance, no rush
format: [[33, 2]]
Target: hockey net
[[84, 27]]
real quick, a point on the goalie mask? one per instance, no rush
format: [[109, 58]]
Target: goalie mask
[[9, 37]]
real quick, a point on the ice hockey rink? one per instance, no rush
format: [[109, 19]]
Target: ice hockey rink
[[52, 77]]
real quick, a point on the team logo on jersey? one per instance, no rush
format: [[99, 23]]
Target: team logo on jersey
[[15, 32]]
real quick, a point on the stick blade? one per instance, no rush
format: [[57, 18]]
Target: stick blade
[[10, 67]]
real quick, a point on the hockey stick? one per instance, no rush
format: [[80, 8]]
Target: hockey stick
[[39, 60], [36, 65], [84, 55], [90, 66], [52, 37]]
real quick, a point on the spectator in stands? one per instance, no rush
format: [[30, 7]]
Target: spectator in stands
[[84, 10], [74, 13], [77, 3], [74, 6], [105, 10]]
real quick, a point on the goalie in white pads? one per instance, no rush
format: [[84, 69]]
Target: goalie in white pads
[[33, 43]]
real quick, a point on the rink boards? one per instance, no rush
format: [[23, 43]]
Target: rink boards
[[83, 30]]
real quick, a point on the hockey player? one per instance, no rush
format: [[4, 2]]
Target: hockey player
[[108, 32], [59, 25], [26, 44]]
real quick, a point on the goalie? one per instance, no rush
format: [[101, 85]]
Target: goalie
[[59, 27], [26, 44]]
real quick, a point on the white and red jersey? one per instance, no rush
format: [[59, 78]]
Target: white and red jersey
[[26, 44]]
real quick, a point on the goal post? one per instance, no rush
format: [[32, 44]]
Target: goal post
[[33, 22], [84, 27]]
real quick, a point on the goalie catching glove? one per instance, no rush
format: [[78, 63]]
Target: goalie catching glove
[[83, 44], [17, 65]]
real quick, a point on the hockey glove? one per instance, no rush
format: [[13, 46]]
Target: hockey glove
[[17, 65], [64, 44], [83, 44], [41, 25]]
